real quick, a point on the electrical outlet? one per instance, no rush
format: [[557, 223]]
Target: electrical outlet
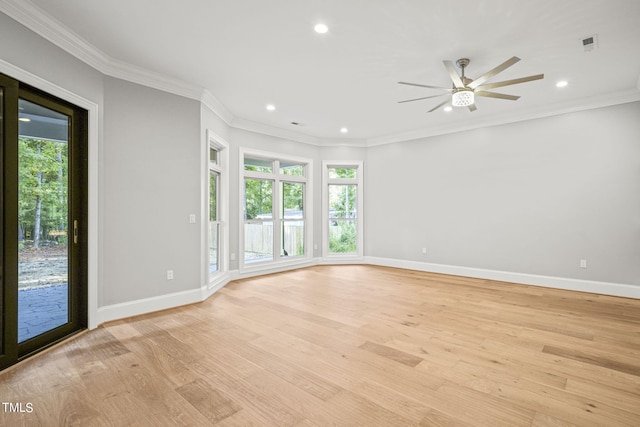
[[424, 250], [169, 274], [233, 257], [192, 219], [583, 263]]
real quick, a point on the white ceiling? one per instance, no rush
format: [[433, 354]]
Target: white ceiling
[[248, 53]]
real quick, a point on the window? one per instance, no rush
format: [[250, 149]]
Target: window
[[217, 210], [276, 208], [342, 206]]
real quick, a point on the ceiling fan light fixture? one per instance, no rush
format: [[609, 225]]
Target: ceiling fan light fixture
[[462, 97], [321, 28]]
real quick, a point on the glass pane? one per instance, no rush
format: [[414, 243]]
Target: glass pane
[[342, 236], [214, 230], [291, 169], [214, 177], [292, 238], [213, 155], [342, 201], [258, 200], [345, 172], [258, 165], [258, 241], [292, 200], [43, 267]]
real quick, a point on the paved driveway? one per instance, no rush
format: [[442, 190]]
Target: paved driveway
[[41, 309]]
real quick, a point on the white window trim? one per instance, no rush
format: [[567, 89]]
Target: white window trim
[[278, 261], [220, 277], [326, 181]]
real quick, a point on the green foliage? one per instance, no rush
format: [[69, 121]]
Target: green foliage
[[292, 196], [342, 237], [342, 201], [349, 173], [257, 197], [291, 169], [42, 188]]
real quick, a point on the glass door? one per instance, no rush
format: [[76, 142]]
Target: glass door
[[43, 222], [43, 219]]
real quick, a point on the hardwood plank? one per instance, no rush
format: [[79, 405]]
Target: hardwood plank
[[562, 404], [211, 403], [544, 420], [608, 363], [391, 353], [357, 410], [438, 419]]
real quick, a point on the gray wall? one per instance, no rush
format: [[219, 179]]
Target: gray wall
[[151, 185], [530, 197]]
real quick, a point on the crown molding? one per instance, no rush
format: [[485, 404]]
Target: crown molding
[[264, 129], [583, 104], [218, 108], [256, 127]]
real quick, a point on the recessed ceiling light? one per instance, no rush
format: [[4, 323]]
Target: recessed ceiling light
[[271, 107], [344, 130], [562, 83], [448, 108], [321, 28], [24, 119]]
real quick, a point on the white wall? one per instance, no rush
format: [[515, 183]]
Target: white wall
[[151, 158], [531, 197]]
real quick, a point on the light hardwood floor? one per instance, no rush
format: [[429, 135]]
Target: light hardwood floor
[[348, 345]]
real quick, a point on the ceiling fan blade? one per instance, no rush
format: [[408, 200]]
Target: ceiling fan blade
[[427, 86], [486, 76], [424, 97], [511, 82], [438, 106], [497, 95], [472, 107], [455, 78]]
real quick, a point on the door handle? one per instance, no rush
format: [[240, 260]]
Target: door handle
[[75, 231]]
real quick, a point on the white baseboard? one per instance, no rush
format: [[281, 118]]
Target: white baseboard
[[148, 305], [259, 270], [604, 288], [341, 260]]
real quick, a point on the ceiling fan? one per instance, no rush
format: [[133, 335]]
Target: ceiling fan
[[465, 89]]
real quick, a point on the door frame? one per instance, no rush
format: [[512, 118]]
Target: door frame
[[77, 213], [93, 196]]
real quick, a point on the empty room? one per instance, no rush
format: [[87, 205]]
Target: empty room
[[322, 212]]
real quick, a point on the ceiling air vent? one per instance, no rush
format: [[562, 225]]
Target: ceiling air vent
[[590, 43]]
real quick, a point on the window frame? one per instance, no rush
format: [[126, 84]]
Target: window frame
[[358, 181], [277, 217], [221, 167]]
